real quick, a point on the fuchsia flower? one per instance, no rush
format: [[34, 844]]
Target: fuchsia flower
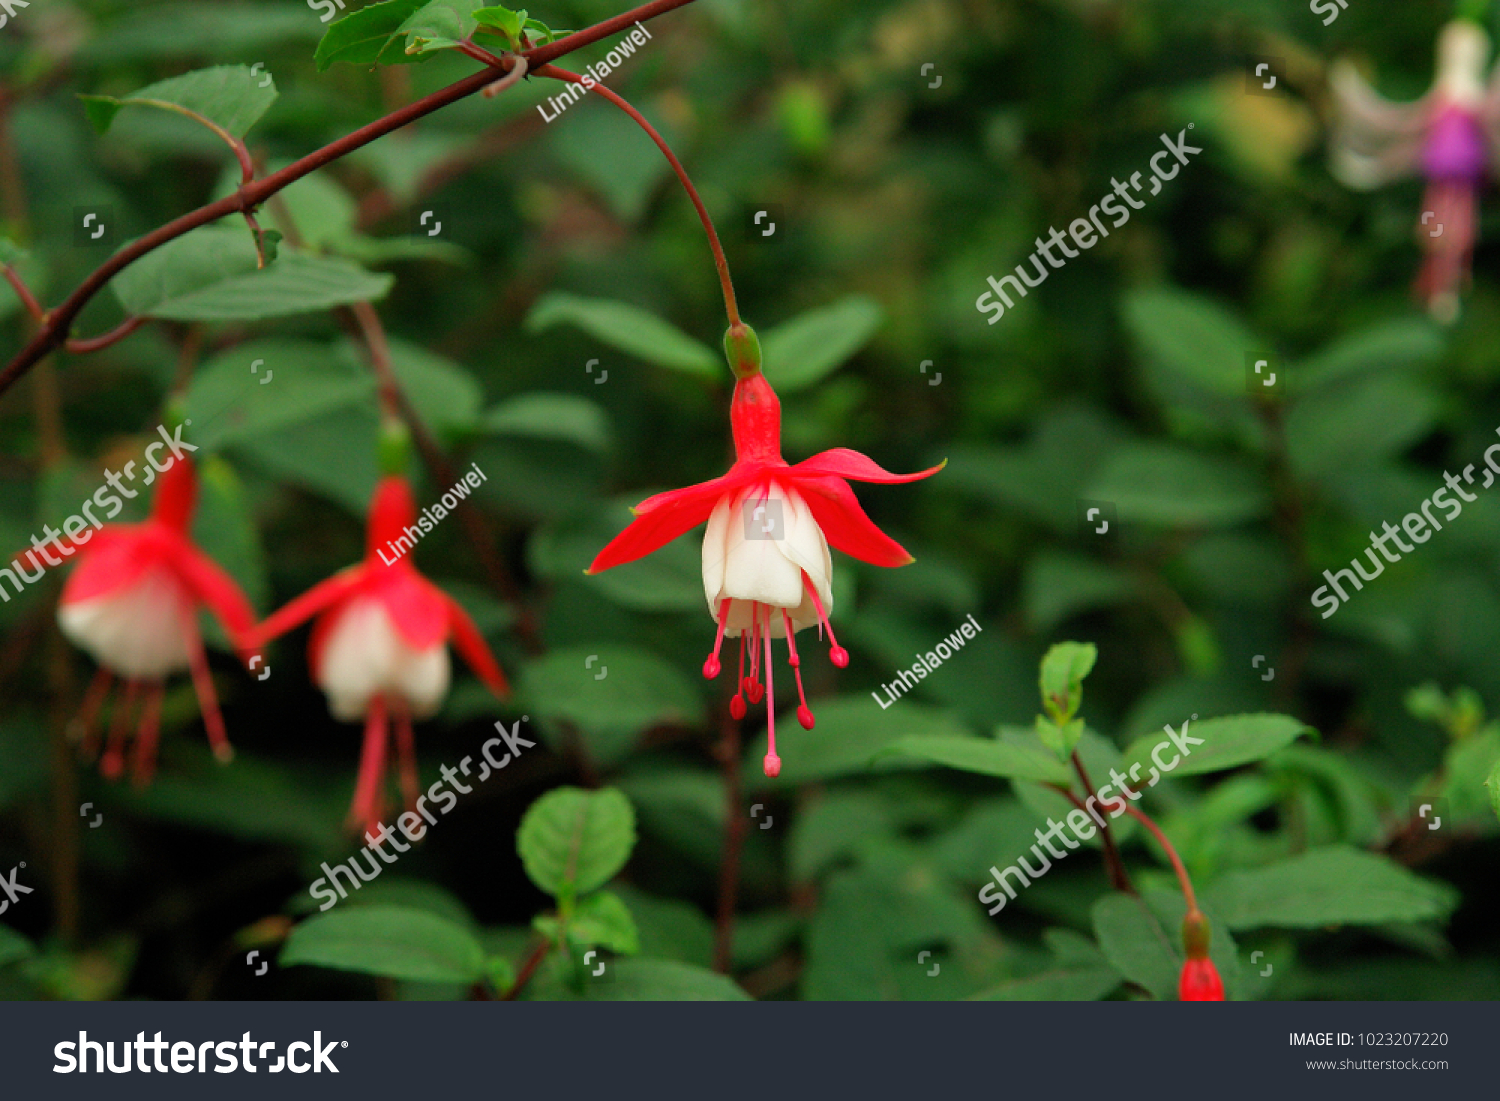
[[766, 566], [132, 603], [379, 647], [1450, 136]]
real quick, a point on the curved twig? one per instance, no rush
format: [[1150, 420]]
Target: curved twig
[[247, 197]]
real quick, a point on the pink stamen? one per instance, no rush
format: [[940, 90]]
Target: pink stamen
[[836, 653], [119, 723], [753, 687], [85, 726], [143, 764], [366, 806], [406, 750], [804, 713], [711, 667], [203, 684], [772, 762], [737, 703]]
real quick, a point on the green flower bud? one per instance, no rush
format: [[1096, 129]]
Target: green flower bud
[[742, 347]]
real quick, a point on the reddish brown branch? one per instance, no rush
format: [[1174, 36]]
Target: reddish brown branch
[[54, 332], [114, 336]]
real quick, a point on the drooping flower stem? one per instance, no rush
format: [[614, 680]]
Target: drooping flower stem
[[731, 307], [1161, 839]]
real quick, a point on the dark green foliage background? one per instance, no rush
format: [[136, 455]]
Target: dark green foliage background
[[1121, 379]]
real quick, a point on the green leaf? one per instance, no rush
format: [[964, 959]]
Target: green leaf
[[663, 981], [1060, 586], [1063, 669], [439, 25], [628, 328], [805, 349], [1329, 886], [574, 841], [392, 941], [1359, 424], [552, 417], [1404, 342], [1158, 483], [230, 96], [1193, 337], [988, 758], [210, 275], [602, 919], [1229, 742], [507, 22], [446, 396], [10, 252], [227, 401], [848, 735], [368, 36], [613, 692], [1142, 939]]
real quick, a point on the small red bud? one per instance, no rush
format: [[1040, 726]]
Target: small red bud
[[737, 707], [805, 717], [1200, 982]]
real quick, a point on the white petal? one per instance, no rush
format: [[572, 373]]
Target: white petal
[[364, 655], [715, 550], [755, 568], [137, 632]]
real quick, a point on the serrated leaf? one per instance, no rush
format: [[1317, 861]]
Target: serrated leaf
[[368, 36], [1141, 937], [438, 25], [988, 758], [1228, 742], [230, 96], [805, 349], [628, 328], [1063, 668], [210, 275], [392, 941], [603, 920], [573, 841], [1329, 886], [848, 734]]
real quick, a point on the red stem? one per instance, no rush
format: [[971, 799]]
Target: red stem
[[33, 307], [731, 307], [114, 336], [1161, 839], [54, 332], [1117, 874]]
